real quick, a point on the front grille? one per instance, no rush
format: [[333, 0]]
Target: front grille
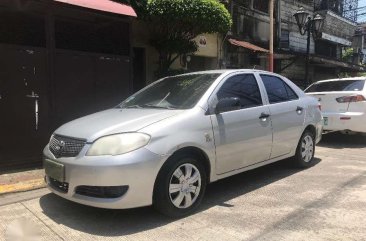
[[62, 146], [59, 186], [102, 192]]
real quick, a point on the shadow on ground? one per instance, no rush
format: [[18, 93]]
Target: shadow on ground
[[340, 141], [106, 222]]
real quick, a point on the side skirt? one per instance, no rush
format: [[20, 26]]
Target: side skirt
[[251, 167]]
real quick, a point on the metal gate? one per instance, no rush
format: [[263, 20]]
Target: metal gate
[[79, 63], [23, 105]]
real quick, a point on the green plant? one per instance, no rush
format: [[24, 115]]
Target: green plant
[[344, 75], [347, 54], [138, 5], [174, 24]]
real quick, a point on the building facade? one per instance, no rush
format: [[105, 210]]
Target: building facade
[[251, 26]]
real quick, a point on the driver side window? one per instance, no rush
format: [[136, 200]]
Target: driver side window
[[244, 87]]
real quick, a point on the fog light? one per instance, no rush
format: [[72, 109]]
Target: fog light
[[101, 192]]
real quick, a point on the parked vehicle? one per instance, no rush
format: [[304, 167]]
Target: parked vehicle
[[165, 143], [343, 103]]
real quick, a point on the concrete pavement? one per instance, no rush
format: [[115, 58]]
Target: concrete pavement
[[276, 202]]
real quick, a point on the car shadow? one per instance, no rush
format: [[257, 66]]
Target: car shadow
[[338, 140], [105, 222]]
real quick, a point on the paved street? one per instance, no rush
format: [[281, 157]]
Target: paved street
[[277, 202]]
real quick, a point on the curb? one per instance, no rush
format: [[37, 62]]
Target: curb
[[22, 186], [21, 181]]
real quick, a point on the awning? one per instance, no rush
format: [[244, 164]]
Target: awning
[[336, 63], [317, 60], [335, 39], [103, 5], [247, 45]]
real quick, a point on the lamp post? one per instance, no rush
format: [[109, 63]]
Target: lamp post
[[221, 59], [308, 25]]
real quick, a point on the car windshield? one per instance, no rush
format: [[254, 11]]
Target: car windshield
[[178, 92], [341, 85]]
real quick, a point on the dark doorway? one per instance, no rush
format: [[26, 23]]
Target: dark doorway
[[197, 63], [86, 83], [139, 74], [92, 65]]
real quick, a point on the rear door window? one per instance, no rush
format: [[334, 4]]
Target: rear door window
[[341, 85], [277, 89]]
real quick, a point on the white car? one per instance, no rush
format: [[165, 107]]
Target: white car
[[343, 103], [164, 144]]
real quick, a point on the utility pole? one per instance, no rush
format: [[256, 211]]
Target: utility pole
[[308, 29], [271, 33]]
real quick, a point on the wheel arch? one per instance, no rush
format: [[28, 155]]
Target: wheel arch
[[310, 128], [197, 152], [159, 196]]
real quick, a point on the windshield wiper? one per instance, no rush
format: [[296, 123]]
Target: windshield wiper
[[157, 106], [131, 107], [146, 106]]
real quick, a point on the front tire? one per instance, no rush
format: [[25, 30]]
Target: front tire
[[304, 156], [180, 186]]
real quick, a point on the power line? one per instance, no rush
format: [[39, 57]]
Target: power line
[[354, 9], [350, 9]]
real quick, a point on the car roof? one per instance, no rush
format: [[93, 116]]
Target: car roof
[[342, 79], [227, 71]]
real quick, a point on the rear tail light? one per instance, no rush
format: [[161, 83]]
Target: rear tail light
[[352, 98]]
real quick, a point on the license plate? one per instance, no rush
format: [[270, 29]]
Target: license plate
[[54, 169], [325, 121]]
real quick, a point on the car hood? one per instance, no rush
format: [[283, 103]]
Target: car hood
[[113, 121]]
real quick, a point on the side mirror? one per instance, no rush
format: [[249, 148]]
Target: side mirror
[[227, 104]]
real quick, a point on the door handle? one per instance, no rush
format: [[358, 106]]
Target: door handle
[[299, 109], [264, 116]]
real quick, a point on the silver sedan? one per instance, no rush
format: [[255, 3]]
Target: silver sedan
[[164, 144]]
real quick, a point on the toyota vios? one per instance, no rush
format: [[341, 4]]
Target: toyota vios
[[164, 144]]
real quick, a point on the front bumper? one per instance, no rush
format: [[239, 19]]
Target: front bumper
[[353, 121], [137, 170]]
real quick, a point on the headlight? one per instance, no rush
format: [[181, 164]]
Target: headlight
[[118, 144]]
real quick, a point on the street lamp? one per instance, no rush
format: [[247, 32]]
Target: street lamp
[[308, 25]]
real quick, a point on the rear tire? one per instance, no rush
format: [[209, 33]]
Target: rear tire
[[180, 186], [305, 150]]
